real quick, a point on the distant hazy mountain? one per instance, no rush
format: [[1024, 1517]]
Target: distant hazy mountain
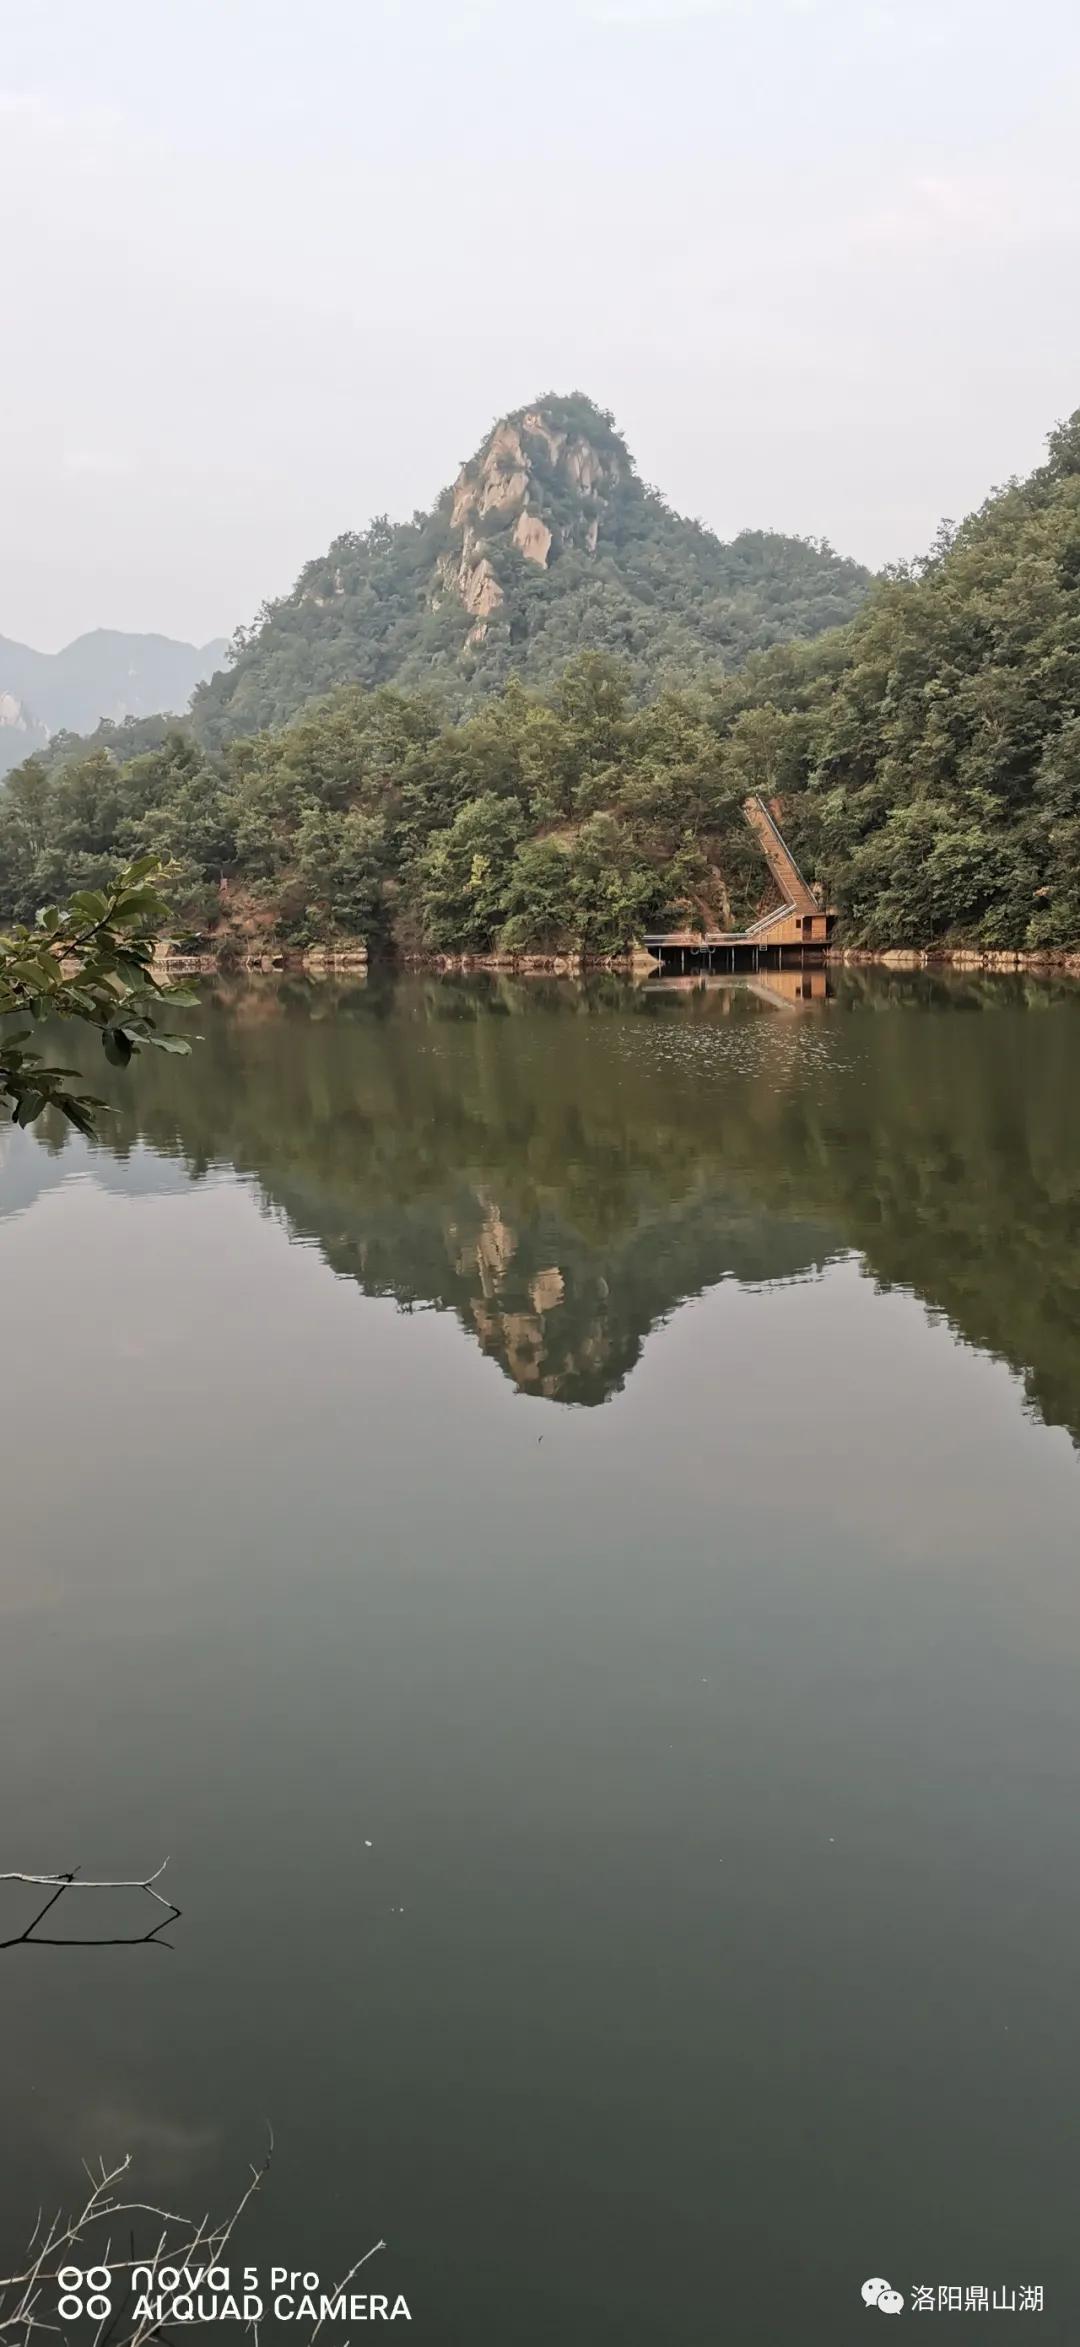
[[101, 675]]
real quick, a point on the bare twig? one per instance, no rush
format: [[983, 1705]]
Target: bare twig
[[340, 2288], [72, 1880], [181, 2242], [81, 1882]]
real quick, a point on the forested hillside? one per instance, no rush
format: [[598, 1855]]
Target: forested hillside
[[933, 770], [926, 756], [534, 823], [547, 543]]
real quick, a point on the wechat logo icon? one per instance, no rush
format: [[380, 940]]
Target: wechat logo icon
[[882, 2295]]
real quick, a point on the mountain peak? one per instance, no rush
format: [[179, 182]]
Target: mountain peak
[[543, 480], [548, 540]]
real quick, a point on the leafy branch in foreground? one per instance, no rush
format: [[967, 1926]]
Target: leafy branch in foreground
[[92, 959]]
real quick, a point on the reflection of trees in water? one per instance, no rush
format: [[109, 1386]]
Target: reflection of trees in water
[[562, 1168]]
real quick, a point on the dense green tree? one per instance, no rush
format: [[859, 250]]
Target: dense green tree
[[342, 860], [463, 873]]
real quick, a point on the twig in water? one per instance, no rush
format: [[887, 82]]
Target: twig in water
[[72, 1880]]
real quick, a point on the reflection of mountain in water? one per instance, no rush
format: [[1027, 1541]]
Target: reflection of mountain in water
[[565, 1318], [27, 1171], [562, 1170]]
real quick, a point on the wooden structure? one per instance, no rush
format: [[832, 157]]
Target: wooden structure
[[796, 930]]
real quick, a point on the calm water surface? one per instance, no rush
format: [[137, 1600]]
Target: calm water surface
[[559, 1513]]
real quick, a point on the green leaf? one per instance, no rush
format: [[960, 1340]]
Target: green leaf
[[79, 1111], [131, 969], [118, 1047], [178, 1044], [140, 903]]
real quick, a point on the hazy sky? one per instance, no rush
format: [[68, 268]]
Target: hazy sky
[[271, 266]]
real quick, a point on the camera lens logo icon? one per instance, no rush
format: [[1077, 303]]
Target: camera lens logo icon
[[84, 2290], [881, 2294]]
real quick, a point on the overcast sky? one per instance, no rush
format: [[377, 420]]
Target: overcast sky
[[272, 266]]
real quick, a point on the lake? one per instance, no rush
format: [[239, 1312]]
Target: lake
[[557, 1511]]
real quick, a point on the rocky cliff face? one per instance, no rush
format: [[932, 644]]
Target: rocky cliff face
[[538, 485]]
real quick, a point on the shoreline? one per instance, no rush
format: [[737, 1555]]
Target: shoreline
[[325, 961], [1042, 961]]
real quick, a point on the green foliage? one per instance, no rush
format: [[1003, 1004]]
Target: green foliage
[[463, 871], [91, 960], [541, 825]]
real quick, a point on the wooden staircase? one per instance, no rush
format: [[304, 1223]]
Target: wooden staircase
[[795, 894]]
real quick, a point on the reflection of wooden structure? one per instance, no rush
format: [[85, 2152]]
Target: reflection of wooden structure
[[788, 989], [795, 929], [781, 987]]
